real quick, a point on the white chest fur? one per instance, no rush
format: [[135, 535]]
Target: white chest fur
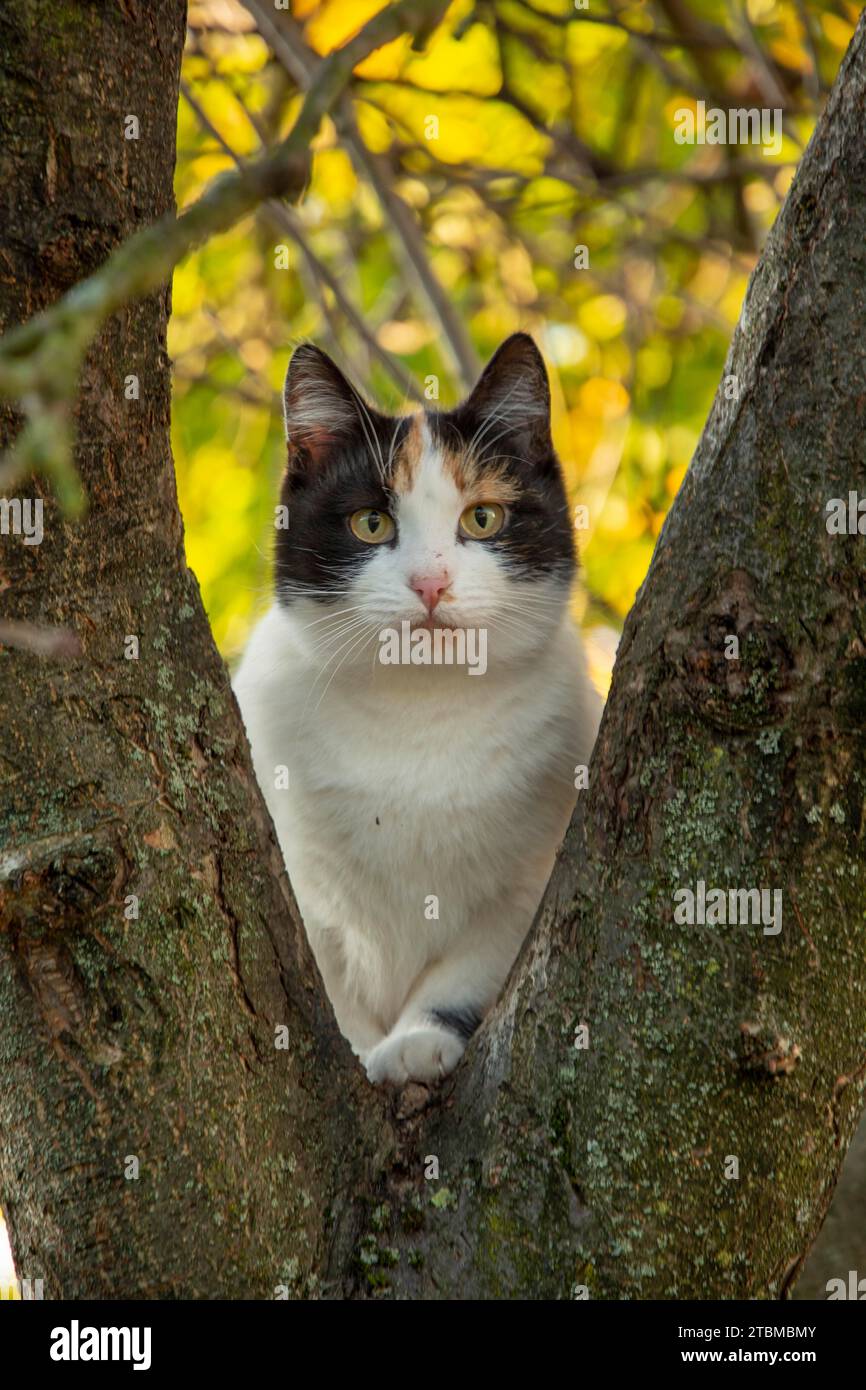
[[422, 813]]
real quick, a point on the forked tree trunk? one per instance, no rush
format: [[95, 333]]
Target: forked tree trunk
[[560, 1167]]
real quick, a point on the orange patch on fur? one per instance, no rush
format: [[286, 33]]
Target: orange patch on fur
[[479, 481], [408, 459]]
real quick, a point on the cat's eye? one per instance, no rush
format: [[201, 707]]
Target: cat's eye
[[371, 526], [482, 520]]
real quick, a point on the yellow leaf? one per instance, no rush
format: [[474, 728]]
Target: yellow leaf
[[335, 21], [602, 399], [373, 127], [388, 62], [674, 478], [793, 55], [587, 42], [470, 64], [465, 130], [334, 180], [603, 316], [838, 32]]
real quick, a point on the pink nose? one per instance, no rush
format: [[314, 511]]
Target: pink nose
[[429, 588]]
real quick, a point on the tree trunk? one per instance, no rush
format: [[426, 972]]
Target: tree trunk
[[560, 1168], [149, 1038]]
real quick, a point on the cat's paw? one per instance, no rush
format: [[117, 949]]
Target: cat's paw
[[425, 1054]]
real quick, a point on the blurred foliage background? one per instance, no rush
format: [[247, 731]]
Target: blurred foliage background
[[450, 196]]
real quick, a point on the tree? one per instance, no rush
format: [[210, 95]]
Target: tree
[[180, 1116]]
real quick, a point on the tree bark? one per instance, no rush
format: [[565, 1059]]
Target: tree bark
[[151, 1038], [560, 1168]]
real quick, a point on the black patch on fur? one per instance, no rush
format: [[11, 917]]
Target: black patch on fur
[[538, 537], [318, 551], [325, 482], [463, 1021]]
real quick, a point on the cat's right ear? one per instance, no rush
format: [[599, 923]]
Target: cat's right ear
[[319, 405]]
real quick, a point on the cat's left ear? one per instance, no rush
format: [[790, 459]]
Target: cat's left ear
[[319, 405], [513, 395]]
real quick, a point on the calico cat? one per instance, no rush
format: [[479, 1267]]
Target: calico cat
[[424, 803]]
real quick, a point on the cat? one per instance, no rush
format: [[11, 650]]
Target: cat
[[425, 802]]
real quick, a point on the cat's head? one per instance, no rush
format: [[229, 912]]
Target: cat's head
[[442, 518]]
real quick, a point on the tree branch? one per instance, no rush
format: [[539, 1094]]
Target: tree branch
[[40, 361], [287, 44]]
